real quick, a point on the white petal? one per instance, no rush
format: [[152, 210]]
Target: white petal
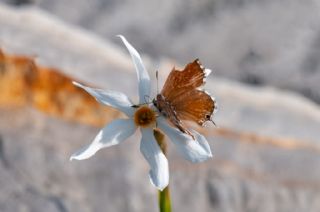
[[114, 133], [114, 99], [143, 76], [197, 150], [159, 172]]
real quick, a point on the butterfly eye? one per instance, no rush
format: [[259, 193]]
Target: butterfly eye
[[154, 101]]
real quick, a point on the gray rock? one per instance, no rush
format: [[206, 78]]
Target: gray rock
[[259, 42], [266, 149]]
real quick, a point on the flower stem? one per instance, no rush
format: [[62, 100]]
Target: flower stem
[[164, 200], [164, 196]]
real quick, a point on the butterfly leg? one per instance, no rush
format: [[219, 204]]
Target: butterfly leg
[[180, 126], [213, 123]]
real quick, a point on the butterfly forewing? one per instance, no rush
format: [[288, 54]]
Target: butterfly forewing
[[178, 82]]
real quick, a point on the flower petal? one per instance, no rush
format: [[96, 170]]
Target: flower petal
[[159, 172], [197, 150], [114, 99], [114, 133], [143, 76]]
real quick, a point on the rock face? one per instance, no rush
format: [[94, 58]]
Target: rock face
[[266, 149], [23, 82], [259, 42]]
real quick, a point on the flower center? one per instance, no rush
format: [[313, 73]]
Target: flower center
[[144, 116]]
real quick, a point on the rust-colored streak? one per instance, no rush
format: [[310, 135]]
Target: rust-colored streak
[[23, 82], [12, 84], [286, 143]]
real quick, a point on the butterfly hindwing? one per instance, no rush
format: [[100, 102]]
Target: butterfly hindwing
[[195, 105]]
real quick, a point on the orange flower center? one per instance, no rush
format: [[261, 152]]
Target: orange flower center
[[144, 116]]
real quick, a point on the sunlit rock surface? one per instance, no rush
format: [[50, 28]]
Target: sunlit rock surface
[[266, 148], [259, 42]]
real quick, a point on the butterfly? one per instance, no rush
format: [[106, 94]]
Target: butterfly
[[182, 97]]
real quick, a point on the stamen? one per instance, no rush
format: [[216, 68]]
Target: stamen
[[144, 116]]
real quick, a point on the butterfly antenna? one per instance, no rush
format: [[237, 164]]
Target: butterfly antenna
[[147, 99], [157, 77]]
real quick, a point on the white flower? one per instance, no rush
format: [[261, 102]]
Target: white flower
[[143, 116]]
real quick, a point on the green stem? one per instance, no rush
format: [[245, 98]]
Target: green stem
[[164, 196], [164, 200]]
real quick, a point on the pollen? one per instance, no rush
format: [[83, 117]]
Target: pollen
[[144, 116]]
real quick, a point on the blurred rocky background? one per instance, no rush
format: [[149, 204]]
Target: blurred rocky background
[[265, 60]]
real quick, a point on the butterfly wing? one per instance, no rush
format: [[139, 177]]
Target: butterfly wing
[[193, 76], [195, 105], [182, 91]]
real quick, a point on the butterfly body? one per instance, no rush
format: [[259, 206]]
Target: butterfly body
[[182, 97], [168, 111]]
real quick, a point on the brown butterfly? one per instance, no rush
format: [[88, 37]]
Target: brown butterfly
[[182, 97]]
